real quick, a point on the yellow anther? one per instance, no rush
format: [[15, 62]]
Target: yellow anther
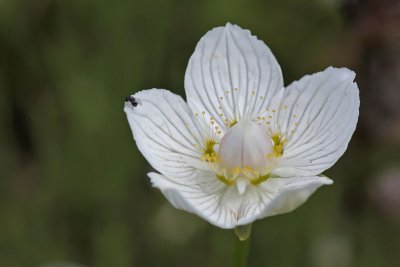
[[229, 177], [225, 180], [260, 179]]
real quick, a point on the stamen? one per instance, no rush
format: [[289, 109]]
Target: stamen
[[233, 122], [260, 179], [223, 179], [250, 174]]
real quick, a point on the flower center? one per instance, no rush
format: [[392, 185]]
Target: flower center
[[243, 155]]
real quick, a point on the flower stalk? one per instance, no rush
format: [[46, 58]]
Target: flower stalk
[[241, 250]]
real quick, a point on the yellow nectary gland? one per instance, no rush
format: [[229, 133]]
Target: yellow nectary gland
[[279, 144], [209, 153]]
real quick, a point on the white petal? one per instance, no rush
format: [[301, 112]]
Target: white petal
[[225, 207], [165, 133], [292, 193], [233, 73], [318, 115]]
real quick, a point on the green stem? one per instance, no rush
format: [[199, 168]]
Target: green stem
[[240, 253]]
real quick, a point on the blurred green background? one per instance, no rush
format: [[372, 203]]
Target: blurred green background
[[73, 184]]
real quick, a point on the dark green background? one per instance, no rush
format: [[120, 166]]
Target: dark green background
[[74, 186]]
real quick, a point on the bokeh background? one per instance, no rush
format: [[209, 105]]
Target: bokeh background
[[74, 190]]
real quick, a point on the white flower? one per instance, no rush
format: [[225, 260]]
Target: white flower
[[243, 147]]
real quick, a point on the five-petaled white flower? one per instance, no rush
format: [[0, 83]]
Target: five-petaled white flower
[[243, 147]]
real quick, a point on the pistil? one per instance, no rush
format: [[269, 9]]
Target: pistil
[[242, 155]]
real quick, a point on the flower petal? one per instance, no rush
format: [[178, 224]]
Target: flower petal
[[317, 116], [165, 133], [292, 193], [232, 73], [225, 207]]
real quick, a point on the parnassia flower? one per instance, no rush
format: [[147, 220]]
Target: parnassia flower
[[243, 147]]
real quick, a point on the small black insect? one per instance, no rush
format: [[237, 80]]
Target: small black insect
[[132, 100]]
